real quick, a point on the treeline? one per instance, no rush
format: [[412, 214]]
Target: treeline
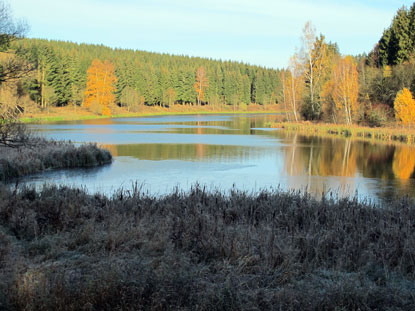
[[373, 89], [142, 78]]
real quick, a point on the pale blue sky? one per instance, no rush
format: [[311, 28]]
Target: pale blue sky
[[260, 32]]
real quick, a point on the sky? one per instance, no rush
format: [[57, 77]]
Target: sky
[[258, 32]]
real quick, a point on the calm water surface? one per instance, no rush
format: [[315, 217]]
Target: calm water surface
[[230, 151]]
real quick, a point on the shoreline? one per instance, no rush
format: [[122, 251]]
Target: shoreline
[[65, 114], [45, 154], [365, 133]]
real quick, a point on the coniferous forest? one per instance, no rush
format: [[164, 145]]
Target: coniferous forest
[[141, 78]]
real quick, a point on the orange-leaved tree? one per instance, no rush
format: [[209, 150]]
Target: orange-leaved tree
[[405, 107], [201, 83], [345, 87], [100, 86]]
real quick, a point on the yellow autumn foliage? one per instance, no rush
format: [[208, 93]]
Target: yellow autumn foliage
[[405, 107]]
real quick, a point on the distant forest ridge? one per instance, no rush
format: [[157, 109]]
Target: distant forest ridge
[[145, 78]]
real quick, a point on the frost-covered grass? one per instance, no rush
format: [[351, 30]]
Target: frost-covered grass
[[63, 249], [42, 154]]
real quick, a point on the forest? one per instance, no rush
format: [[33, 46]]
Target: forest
[[371, 89], [63, 74], [319, 84]]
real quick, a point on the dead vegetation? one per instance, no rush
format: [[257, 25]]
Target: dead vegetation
[[62, 249], [39, 154]]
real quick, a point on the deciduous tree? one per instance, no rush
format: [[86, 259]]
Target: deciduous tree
[[202, 82], [129, 97], [293, 85], [12, 68], [100, 86], [316, 66], [170, 96], [345, 87], [405, 107]]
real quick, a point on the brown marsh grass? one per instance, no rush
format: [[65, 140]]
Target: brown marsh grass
[[386, 134], [44, 154], [64, 249]]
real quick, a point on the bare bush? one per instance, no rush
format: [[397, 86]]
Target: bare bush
[[14, 135]]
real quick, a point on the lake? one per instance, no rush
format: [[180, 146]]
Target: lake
[[224, 152]]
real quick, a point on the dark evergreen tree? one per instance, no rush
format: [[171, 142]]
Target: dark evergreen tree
[[61, 67]]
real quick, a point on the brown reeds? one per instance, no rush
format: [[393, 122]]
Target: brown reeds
[[388, 134], [63, 249], [42, 154]]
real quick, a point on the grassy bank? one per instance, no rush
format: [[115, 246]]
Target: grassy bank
[[70, 114], [388, 134], [44, 154], [62, 249]]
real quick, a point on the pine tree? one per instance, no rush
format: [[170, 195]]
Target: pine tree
[[397, 42], [400, 42], [258, 89]]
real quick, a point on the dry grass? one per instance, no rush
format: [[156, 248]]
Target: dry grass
[[44, 154], [62, 249], [388, 134], [68, 113]]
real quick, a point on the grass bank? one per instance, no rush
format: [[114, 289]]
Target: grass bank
[[62, 249], [56, 114], [388, 134], [44, 154]]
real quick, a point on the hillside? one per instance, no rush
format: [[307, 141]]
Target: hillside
[[143, 78]]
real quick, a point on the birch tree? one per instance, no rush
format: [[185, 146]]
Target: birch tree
[[345, 87]]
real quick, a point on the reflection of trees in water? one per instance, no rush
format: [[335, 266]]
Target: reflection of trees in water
[[317, 156], [346, 157], [404, 162], [157, 152], [112, 148], [240, 125]]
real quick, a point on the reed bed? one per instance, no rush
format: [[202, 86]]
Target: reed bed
[[388, 134], [42, 154], [64, 249]]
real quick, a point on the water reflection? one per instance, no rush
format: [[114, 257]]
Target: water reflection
[[234, 151], [351, 160], [188, 152]]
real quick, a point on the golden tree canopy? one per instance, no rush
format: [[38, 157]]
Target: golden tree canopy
[[345, 86], [405, 107], [100, 86]]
